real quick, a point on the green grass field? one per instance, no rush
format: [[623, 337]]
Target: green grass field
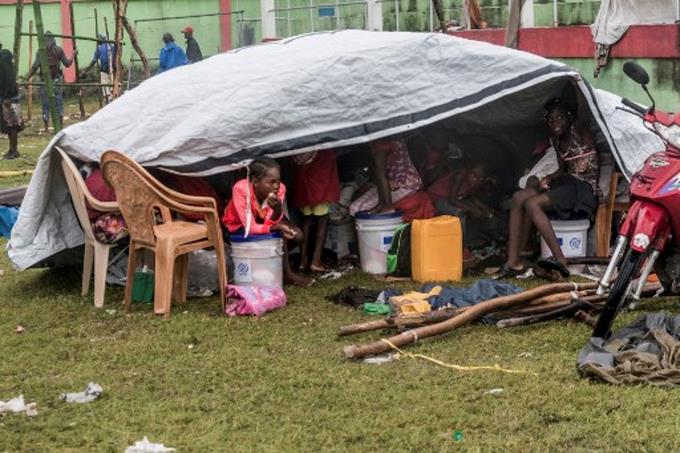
[[202, 382]]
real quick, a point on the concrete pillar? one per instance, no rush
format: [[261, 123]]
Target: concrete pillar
[[374, 15], [526, 18], [67, 44], [268, 19]]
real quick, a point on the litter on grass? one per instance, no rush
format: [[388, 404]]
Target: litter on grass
[[496, 391], [16, 405], [91, 393], [380, 359], [19, 329], [144, 446]]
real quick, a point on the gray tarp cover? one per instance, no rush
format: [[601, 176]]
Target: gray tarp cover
[[318, 90], [646, 351]]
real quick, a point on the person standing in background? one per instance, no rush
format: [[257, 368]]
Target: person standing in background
[[11, 122], [55, 58], [194, 54], [171, 55], [105, 54]]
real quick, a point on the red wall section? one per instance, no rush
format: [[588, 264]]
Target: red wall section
[[640, 41], [225, 24]]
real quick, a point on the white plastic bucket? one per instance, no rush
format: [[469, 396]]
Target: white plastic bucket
[[257, 260], [375, 233], [572, 235]]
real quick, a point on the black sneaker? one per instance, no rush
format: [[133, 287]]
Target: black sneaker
[[11, 154]]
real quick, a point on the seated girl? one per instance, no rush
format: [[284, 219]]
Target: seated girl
[[570, 191], [257, 207], [398, 184]]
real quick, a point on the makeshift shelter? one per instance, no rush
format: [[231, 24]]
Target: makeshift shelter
[[321, 90]]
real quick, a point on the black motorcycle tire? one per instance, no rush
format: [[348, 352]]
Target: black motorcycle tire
[[629, 269]]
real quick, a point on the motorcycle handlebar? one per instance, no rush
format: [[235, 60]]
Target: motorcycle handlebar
[[634, 106]]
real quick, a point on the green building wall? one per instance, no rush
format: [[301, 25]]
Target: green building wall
[[414, 15]]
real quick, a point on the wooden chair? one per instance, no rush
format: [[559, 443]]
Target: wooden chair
[[147, 206], [605, 214], [96, 252]]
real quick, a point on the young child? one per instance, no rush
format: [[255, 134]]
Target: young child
[[256, 207], [316, 186]]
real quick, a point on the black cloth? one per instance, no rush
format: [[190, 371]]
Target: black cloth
[[571, 197], [8, 83], [194, 54], [355, 296]]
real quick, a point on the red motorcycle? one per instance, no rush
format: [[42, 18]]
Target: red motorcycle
[[649, 235]]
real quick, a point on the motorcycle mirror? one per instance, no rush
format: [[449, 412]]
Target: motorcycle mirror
[[636, 72]]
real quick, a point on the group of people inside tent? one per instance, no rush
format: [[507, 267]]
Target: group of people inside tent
[[434, 182]]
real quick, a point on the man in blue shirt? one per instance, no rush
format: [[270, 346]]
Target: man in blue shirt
[[104, 54], [171, 54]]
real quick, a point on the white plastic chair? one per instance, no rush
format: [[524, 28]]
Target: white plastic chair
[[96, 252]]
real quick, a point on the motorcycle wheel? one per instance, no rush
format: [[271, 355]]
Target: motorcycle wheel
[[629, 268]]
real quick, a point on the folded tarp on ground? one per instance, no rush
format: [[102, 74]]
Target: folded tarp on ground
[[321, 90], [646, 351]]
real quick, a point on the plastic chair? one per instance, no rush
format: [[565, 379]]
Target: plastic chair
[[96, 252], [147, 206]]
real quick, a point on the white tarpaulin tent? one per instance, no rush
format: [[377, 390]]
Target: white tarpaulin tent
[[318, 90]]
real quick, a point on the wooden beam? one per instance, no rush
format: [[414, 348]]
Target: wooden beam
[[45, 67], [18, 24]]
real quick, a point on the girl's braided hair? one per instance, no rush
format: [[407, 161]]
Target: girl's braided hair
[[260, 166]]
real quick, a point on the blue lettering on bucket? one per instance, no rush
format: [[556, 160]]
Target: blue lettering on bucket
[[559, 241]]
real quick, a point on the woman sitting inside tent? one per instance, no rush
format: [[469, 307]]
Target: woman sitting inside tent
[[398, 184], [257, 207], [570, 191]]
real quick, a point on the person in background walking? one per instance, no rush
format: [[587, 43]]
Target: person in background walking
[[171, 55], [105, 54], [55, 58], [11, 122], [194, 54]]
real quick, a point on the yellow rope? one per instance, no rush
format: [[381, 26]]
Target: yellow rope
[[496, 367]]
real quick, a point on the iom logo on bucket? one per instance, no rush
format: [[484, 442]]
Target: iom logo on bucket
[[243, 271], [575, 243]]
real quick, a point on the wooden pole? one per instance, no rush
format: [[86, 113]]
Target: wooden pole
[[81, 104], [120, 9], [439, 9], [135, 44], [30, 65], [82, 38], [96, 33], [394, 322], [111, 67], [45, 67], [18, 24], [468, 316]]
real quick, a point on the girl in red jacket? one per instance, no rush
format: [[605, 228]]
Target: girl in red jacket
[[257, 207]]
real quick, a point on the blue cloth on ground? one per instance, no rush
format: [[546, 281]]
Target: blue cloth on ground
[[8, 217], [464, 297]]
